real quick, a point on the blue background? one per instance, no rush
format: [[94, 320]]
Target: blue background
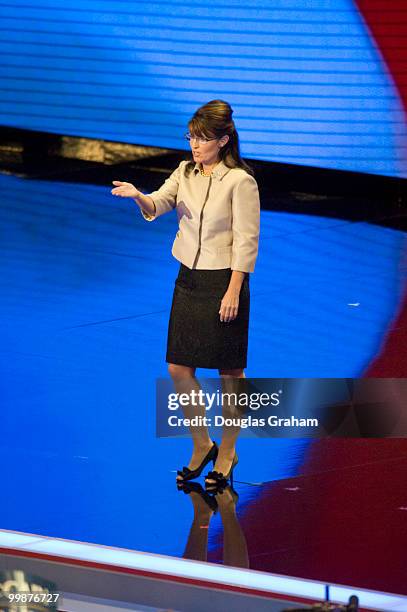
[[306, 80]]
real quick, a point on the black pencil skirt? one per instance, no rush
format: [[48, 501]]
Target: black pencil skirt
[[196, 336]]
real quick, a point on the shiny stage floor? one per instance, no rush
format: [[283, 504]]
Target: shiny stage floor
[[86, 287]]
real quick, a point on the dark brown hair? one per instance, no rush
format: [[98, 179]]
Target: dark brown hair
[[214, 120]]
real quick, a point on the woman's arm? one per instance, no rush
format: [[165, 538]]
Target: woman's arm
[[127, 190], [157, 202], [245, 224], [146, 205], [246, 229]]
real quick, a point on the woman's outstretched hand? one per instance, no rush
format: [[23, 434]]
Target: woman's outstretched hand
[[125, 190], [229, 306]]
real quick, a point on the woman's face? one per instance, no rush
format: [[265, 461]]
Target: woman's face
[[206, 153]]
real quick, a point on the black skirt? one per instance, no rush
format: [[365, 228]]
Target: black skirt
[[196, 336]]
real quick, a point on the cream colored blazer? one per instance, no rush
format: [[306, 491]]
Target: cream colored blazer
[[218, 217]]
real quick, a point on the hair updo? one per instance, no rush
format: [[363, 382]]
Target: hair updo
[[214, 120]]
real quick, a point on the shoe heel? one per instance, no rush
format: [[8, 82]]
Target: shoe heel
[[188, 474]]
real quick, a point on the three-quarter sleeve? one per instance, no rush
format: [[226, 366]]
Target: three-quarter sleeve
[[164, 198], [245, 224]]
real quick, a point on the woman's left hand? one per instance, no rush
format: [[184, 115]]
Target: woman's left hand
[[229, 306]]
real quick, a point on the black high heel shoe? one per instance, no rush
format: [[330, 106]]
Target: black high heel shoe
[[188, 474], [219, 478], [189, 487]]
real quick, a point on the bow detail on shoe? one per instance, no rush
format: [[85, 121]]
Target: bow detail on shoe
[[216, 476], [219, 478]]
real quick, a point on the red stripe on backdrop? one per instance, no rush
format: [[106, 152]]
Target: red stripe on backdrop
[[387, 21]]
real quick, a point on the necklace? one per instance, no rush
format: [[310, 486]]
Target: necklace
[[203, 173]]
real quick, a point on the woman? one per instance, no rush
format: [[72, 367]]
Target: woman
[[217, 203]]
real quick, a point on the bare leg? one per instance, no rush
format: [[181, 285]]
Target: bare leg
[[227, 448], [184, 382]]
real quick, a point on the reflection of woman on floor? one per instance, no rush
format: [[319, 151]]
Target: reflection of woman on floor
[[217, 203], [234, 542]]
